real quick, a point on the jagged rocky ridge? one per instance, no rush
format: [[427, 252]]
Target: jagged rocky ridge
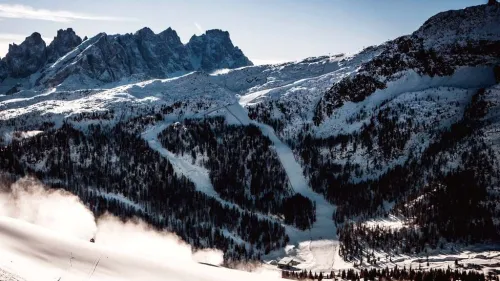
[[408, 128], [32, 55], [108, 58]]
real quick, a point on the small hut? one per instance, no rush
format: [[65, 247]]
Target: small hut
[[287, 263]]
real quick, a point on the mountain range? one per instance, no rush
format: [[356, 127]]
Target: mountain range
[[109, 58], [194, 139]]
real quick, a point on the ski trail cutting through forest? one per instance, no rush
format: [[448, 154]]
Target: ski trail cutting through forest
[[197, 174], [324, 227]]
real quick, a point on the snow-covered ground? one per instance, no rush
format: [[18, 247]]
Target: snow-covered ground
[[299, 86], [409, 82], [324, 227], [480, 258], [317, 256], [45, 233], [391, 222], [197, 174], [30, 252], [316, 248]]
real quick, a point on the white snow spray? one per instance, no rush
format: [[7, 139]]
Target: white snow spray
[[29, 200]]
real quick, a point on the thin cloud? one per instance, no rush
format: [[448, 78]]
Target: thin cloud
[[12, 11], [198, 27]]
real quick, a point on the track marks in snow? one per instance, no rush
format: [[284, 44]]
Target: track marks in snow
[[7, 276], [323, 228], [198, 175], [36, 253]]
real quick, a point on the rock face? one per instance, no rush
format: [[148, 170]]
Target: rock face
[[214, 50], [461, 26], [144, 54], [108, 58], [27, 58], [445, 43], [3, 70], [32, 55], [156, 55], [65, 41]]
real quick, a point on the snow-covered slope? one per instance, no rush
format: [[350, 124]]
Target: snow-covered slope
[[390, 131], [480, 24], [30, 252]]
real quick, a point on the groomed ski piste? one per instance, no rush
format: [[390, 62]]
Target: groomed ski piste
[[316, 244]]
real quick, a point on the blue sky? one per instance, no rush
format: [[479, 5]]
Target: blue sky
[[266, 30]]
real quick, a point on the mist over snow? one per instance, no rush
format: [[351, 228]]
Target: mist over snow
[[27, 199], [135, 236]]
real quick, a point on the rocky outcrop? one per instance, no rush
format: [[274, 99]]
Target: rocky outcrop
[[27, 58], [461, 26], [144, 55], [65, 41], [108, 58], [214, 50], [445, 43], [156, 55], [3, 70]]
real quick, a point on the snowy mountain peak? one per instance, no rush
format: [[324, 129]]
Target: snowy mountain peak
[[64, 42], [458, 26], [28, 57], [215, 50], [111, 58], [145, 32]]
